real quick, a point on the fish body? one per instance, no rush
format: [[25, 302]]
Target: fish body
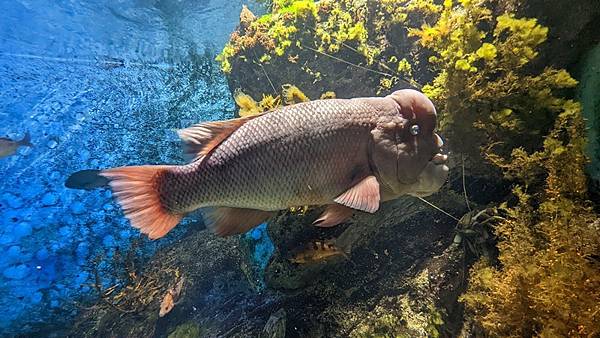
[[9, 147], [304, 154], [344, 153], [87, 179], [171, 298], [316, 252]]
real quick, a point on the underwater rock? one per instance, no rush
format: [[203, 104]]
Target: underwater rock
[[405, 250], [186, 330], [275, 326], [13, 252], [12, 200], [77, 208], [588, 94], [36, 297], [50, 199], [215, 286], [82, 249], [16, 272], [22, 230], [109, 241], [42, 254], [52, 144]]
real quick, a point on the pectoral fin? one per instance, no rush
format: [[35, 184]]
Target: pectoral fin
[[226, 221], [333, 215], [363, 196]]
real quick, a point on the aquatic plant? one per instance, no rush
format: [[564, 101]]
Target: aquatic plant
[[292, 23], [186, 330], [548, 281], [290, 93], [269, 102], [246, 103], [403, 315], [485, 96], [297, 33], [327, 95]]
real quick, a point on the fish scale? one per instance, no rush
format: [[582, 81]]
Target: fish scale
[[268, 163]]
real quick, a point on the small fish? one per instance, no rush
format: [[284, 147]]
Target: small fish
[[86, 180], [108, 62], [9, 147], [346, 154], [316, 252], [171, 298]]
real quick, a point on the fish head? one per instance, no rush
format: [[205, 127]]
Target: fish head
[[406, 149]]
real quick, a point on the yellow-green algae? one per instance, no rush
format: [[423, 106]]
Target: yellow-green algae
[[290, 93], [403, 315]]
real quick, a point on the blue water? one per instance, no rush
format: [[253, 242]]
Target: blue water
[[97, 84]]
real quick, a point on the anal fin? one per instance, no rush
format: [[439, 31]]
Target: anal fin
[[225, 221], [333, 215], [363, 196]]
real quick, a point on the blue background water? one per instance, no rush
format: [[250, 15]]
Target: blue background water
[[97, 84]]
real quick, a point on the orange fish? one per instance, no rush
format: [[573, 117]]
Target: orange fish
[[348, 154], [316, 252], [170, 299], [9, 147]]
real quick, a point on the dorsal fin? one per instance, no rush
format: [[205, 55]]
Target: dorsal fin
[[199, 139]]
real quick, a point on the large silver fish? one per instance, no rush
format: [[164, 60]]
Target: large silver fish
[[348, 154]]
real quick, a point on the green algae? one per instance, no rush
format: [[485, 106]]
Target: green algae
[[186, 330]]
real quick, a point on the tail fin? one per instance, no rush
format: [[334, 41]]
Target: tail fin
[[136, 190], [26, 141]]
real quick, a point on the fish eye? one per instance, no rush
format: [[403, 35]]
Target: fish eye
[[414, 129]]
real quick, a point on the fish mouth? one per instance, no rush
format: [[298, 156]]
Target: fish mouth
[[439, 158]]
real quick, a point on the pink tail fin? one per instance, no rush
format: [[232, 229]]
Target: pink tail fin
[[136, 190]]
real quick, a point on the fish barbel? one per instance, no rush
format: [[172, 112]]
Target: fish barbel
[[348, 154]]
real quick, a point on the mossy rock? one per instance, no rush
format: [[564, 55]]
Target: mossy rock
[[186, 330]]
